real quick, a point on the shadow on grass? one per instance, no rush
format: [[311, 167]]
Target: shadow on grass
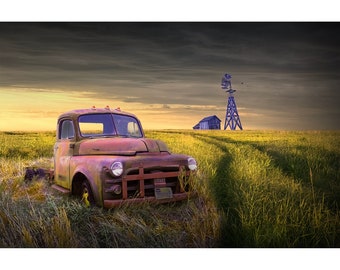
[[296, 165], [227, 197], [325, 173]]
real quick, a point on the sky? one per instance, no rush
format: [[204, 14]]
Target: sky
[[286, 74]]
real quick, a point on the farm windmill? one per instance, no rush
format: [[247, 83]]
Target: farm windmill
[[232, 118]]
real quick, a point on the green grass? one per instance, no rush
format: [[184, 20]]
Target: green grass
[[253, 189]]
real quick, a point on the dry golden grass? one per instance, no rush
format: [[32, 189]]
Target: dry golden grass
[[254, 189]]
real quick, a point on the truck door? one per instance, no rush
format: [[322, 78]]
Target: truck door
[[63, 151]]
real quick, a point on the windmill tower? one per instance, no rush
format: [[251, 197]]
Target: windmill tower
[[232, 118]]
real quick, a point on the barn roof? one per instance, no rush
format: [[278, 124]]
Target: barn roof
[[208, 118]]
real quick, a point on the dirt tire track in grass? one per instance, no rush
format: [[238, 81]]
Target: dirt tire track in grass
[[226, 194], [247, 198], [268, 207]]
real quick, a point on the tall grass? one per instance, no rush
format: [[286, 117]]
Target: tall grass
[[275, 189], [252, 189]]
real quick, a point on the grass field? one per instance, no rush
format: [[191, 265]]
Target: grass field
[[253, 189]]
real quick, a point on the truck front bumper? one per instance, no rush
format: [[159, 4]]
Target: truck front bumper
[[176, 197]]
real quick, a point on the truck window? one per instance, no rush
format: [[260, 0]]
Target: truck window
[[66, 131], [96, 125], [109, 124], [127, 126]]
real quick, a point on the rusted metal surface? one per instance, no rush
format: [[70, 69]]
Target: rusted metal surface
[[149, 172], [141, 177], [61, 189], [119, 146], [114, 203]]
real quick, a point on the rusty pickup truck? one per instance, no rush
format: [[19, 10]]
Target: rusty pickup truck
[[102, 156]]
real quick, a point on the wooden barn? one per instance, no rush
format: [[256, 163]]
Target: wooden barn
[[210, 122]]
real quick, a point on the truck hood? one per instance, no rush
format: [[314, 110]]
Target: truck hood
[[120, 146]]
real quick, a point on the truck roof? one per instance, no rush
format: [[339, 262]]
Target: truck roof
[[93, 110]]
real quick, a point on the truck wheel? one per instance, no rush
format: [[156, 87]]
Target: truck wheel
[[86, 194]]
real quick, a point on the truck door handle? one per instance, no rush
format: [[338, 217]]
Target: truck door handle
[[72, 145]]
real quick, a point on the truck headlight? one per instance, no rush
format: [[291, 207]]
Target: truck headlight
[[192, 164], [117, 168]]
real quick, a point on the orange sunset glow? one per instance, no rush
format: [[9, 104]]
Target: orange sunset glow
[[31, 110]]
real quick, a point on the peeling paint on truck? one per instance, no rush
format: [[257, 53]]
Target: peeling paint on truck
[[102, 156]]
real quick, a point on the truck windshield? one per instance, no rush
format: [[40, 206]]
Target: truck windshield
[[97, 125]]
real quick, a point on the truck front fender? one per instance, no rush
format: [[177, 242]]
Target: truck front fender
[[92, 177]]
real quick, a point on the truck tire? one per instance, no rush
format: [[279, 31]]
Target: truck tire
[[86, 194]]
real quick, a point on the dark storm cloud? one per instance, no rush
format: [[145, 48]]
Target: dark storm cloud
[[284, 66], [126, 49]]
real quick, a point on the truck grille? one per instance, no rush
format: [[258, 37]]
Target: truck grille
[[143, 182]]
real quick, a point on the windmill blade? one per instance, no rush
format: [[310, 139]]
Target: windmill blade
[[226, 81]]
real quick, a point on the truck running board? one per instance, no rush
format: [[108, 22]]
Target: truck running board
[[61, 189]]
